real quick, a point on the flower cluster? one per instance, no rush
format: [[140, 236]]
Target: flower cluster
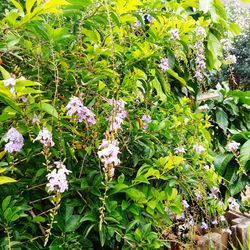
[[232, 146], [14, 141], [57, 179], [164, 64], [227, 46], [77, 109], [117, 115], [174, 34], [200, 60], [146, 120], [45, 137], [108, 154]]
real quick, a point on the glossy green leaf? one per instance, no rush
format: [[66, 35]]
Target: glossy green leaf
[[222, 118], [245, 153], [221, 162]]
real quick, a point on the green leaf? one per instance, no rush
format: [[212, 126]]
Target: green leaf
[[49, 109], [5, 179], [72, 223], [245, 153], [222, 118], [221, 162], [6, 203], [136, 195], [5, 73], [38, 219], [177, 77], [29, 4], [141, 179], [214, 51]]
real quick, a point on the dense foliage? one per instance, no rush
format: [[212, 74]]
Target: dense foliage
[[103, 145]]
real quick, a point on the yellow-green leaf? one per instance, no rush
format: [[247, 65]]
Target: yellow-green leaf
[[6, 179]]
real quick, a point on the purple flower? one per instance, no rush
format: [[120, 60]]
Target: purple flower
[[23, 98], [146, 120], [179, 150], [185, 204], [191, 221], [57, 179], [35, 118], [77, 109], [214, 222], [9, 82], [14, 141], [231, 59], [45, 137], [118, 114], [204, 226], [108, 154], [222, 218], [226, 44], [233, 146], [214, 192], [198, 194], [200, 31], [200, 59], [199, 149], [164, 64], [232, 203], [174, 34]]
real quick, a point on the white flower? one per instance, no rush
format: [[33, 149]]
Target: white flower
[[199, 149], [14, 141], [232, 203], [203, 108], [45, 137], [146, 120], [179, 150], [222, 218], [200, 31], [206, 167], [174, 34], [231, 59], [228, 230], [232, 146], [198, 194], [164, 65], [185, 204], [204, 225], [214, 222], [57, 179], [9, 82]]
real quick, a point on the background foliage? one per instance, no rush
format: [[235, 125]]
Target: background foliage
[[113, 49]]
